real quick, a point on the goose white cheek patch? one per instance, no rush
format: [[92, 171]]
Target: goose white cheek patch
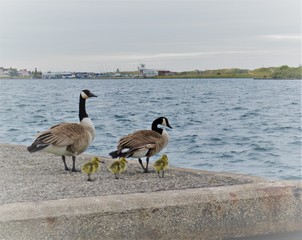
[[84, 95], [164, 122]]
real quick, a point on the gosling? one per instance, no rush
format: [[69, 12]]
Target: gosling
[[91, 167], [161, 165], [118, 167]]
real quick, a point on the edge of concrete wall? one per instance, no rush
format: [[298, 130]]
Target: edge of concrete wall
[[201, 213]]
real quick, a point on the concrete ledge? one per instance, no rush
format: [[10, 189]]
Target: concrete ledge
[[202, 213]]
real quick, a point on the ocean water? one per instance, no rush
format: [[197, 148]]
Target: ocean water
[[234, 125]]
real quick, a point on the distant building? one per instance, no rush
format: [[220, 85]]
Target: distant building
[[24, 73], [144, 73], [4, 73], [50, 75], [8, 72], [165, 73]]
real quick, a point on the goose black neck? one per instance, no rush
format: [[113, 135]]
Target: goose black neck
[[155, 128], [82, 109]]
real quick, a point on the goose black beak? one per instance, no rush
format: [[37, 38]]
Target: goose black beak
[[92, 95], [169, 126]]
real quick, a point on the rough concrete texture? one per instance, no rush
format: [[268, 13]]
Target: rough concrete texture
[[224, 206], [38, 176]]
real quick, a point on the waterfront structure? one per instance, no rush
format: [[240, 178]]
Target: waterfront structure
[[144, 73], [4, 73], [24, 73], [149, 73], [8, 72]]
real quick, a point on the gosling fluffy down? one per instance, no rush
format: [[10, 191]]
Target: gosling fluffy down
[[91, 167], [118, 167], [161, 164]]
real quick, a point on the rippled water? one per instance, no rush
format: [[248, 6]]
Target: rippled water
[[235, 125]]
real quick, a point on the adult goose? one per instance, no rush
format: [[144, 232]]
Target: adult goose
[[68, 139], [143, 143]]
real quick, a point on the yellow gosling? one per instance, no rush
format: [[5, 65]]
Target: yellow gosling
[[118, 167], [91, 167], [161, 164]]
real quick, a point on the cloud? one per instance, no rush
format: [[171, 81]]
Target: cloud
[[165, 56], [285, 37]]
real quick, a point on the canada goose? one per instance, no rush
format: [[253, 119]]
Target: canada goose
[[91, 167], [143, 143], [118, 166], [161, 164], [68, 139]]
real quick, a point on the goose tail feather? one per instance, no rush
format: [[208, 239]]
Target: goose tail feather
[[36, 147], [114, 154]]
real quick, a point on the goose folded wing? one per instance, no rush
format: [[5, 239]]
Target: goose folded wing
[[145, 147], [139, 139], [62, 134]]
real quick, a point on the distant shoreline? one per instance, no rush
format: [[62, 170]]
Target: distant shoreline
[[201, 78], [271, 73]]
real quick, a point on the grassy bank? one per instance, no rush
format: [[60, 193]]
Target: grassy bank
[[283, 72]]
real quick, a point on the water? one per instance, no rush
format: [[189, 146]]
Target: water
[[234, 125]]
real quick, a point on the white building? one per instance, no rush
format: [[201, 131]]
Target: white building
[[23, 73], [4, 73], [144, 73]]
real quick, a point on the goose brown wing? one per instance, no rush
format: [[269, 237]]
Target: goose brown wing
[[141, 139], [62, 134]]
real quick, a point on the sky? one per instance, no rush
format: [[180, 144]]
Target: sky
[[176, 35]]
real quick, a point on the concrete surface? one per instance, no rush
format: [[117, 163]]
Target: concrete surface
[[40, 201], [38, 176]]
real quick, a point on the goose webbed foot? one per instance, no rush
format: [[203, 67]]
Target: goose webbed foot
[[75, 170]]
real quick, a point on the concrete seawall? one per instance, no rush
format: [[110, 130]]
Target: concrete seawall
[[41, 201]]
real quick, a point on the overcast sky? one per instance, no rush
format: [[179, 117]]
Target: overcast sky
[[178, 35]]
